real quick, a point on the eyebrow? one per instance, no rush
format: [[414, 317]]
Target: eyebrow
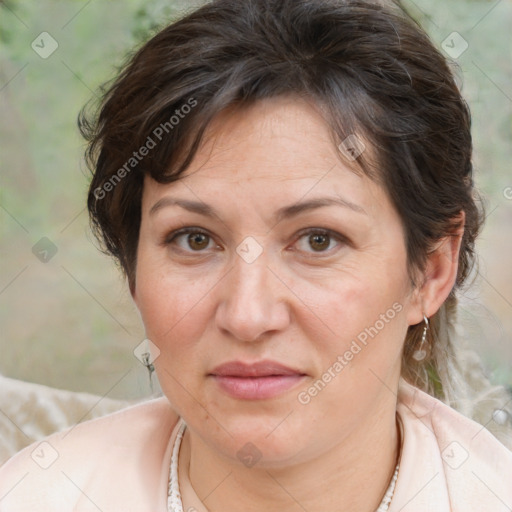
[[285, 212]]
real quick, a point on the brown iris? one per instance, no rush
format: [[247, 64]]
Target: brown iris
[[319, 242], [198, 241]]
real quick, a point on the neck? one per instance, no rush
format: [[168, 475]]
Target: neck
[[356, 472]]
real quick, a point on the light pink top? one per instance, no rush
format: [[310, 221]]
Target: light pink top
[[121, 463]]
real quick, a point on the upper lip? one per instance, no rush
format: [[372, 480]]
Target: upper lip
[[258, 369]]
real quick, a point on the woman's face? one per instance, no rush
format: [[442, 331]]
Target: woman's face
[[322, 290]]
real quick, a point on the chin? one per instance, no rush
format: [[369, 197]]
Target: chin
[[272, 439]]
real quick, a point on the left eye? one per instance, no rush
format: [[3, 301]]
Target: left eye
[[319, 240]]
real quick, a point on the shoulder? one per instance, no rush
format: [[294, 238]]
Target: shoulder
[[469, 463], [32, 411], [446, 424], [120, 454]]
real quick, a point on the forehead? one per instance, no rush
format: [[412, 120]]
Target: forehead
[[274, 149], [286, 134]]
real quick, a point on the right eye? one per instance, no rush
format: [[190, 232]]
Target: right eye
[[196, 240]]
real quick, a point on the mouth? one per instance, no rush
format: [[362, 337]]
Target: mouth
[[257, 381]]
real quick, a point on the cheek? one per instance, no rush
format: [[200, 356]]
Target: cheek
[[165, 295], [176, 308], [169, 301], [355, 300], [363, 324], [359, 345], [368, 328]]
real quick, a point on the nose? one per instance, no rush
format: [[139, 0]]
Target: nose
[[253, 301]]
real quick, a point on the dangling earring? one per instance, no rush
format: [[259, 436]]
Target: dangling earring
[[149, 366], [147, 352], [420, 353]]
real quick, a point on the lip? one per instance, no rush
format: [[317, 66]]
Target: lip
[[257, 381], [265, 368]]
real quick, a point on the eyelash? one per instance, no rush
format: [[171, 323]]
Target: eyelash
[[170, 238]]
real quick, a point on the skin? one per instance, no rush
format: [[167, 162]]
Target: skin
[[301, 302]]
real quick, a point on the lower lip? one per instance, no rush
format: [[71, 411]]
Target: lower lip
[[257, 388]]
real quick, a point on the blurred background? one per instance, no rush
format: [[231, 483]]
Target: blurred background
[[67, 319]]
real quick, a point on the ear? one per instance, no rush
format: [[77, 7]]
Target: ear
[[439, 275]]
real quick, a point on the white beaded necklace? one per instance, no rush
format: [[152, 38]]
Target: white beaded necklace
[[174, 503]]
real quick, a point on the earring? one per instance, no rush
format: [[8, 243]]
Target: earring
[[420, 353], [149, 366]]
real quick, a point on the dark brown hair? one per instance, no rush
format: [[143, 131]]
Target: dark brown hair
[[368, 68]]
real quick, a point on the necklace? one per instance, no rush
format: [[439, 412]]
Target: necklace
[[174, 503]]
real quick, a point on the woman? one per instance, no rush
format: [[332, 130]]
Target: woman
[[288, 188]]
